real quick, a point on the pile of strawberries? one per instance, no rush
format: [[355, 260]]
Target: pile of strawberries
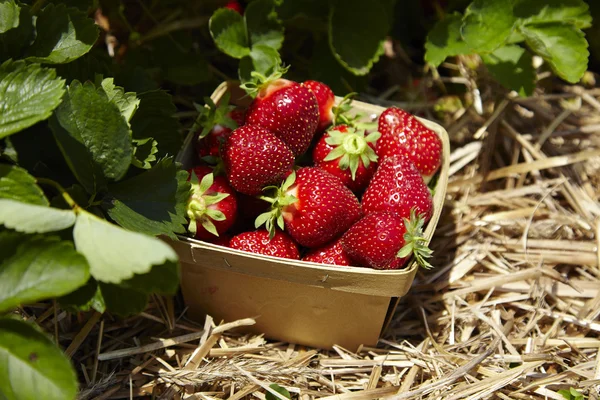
[[294, 176]]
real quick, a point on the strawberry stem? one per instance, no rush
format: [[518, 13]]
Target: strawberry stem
[[415, 242], [281, 199], [198, 203], [259, 81], [352, 148]]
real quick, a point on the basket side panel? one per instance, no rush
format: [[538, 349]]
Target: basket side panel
[[286, 311]]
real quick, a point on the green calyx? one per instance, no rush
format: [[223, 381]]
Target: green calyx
[[259, 81], [210, 115], [199, 202], [280, 199], [352, 148], [342, 115], [414, 242]]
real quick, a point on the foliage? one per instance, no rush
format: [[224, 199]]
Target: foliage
[[495, 29]]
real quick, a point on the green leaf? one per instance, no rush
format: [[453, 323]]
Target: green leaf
[[144, 153], [358, 49], [279, 389], [574, 12], [262, 59], [9, 15], [264, 27], [444, 40], [17, 184], [162, 279], [116, 254], [33, 218], [153, 202], [14, 41], [123, 301], [85, 298], [487, 24], [63, 34], [512, 66], [32, 366], [228, 30], [28, 94], [562, 45], [39, 268], [93, 136], [155, 119], [127, 103]]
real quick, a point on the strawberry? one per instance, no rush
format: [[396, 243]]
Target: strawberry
[[213, 125], [402, 133], [332, 253], [398, 187], [259, 241], [235, 6], [346, 153], [254, 158], [212, 206], [284, 107], [222, 240], [325, 100], [383, 240], [313, 206]]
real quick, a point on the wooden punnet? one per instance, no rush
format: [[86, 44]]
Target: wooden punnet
[[294, 301]]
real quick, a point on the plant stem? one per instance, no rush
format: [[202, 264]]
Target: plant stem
[[61, 190]]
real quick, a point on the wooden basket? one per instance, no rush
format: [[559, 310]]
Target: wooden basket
[[299, 302]]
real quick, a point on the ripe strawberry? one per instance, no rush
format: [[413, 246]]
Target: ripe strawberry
[[281, 245], [325, 100], [346, 153], [284, 107], [255, 158], [398, 187], [313, 206], [332, 253], [212, 206], [383, 240], [402, 133], [235, 6]]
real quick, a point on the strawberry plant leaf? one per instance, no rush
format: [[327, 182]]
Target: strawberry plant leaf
[[574, 12], [562, 45], [358, 49], [9, 15], [487, 24], [155, 119], [40, 267], [228, 30], [85, 298], [17, 184], [512, 66], [262, 59], [126, 102], [144, 153], [93, 136], [13, 41], [33, 218], [263, 25], [28, 94], [30, 364], [279, 389], [63, 34], [122, 301], [162, 279], [116, 254], [444, 40], [153, 202]]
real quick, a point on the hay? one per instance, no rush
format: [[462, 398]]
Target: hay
[[510, 312]]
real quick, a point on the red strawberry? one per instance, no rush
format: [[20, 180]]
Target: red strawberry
[[286, 108], [346, 153], [314, 207], [235, 6], [212, 206], [402, 133], [383, 240], [398, 187], [255, 158], [281, 245], [325, 100], [210, 144], [332, 253]]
